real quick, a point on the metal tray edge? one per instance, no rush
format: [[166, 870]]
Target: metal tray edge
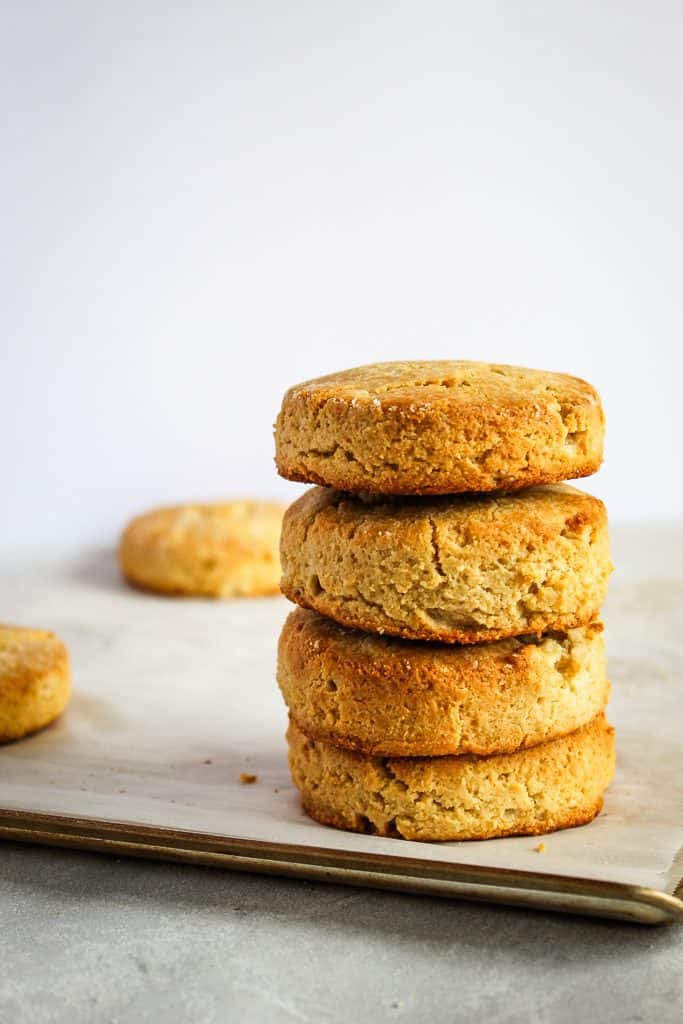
[[496, 885]]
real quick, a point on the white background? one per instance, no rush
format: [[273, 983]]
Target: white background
[[204, 203]]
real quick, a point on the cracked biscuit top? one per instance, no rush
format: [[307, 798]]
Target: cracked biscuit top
[[439, 427], [464, 568]]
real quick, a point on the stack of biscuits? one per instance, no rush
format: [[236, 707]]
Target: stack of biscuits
[[445, 671]]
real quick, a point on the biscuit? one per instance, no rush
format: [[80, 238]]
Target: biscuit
[[439, 428], [35, 680], [404, 698], [225, 549], [554, 785], [459, 569]]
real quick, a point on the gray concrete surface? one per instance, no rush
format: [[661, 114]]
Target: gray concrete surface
[[89, 939]]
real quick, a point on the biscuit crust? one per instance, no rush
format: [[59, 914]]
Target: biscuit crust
[[465, 568], [35, 680], [441, 427], [401, 698], [555, 785], [221, 549]]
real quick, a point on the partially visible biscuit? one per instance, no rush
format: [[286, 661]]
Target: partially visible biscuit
[[224, 549], [35, 680], [555, 785], [401, 698], [466, 568], [440, 427]]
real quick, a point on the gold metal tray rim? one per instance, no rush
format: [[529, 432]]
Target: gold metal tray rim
[[381, 871]]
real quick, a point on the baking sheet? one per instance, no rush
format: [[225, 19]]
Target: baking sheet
[[174, 698]]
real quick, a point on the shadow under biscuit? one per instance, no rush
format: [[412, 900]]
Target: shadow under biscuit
[[98, 568]]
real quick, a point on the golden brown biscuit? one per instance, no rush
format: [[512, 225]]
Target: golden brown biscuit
[[439, 428], [459, 569], [35, 680], [554, 785], [225, 549], [404, 698]]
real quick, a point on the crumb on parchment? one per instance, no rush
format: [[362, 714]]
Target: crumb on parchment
[[246, 778], [541, 848]]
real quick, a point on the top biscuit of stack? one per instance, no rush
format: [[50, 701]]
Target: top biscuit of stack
[[441, 427]]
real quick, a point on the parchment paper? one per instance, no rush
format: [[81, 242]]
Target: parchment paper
[[174, 698]]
